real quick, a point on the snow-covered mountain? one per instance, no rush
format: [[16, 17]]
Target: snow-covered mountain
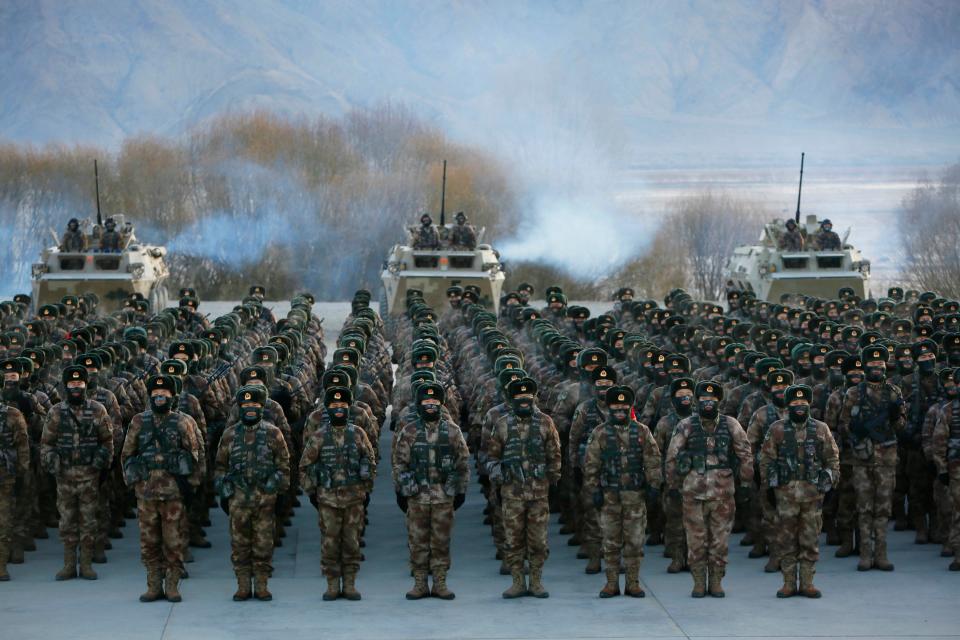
[[650, 72]]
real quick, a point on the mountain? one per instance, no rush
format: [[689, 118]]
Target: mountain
[[639, 77]]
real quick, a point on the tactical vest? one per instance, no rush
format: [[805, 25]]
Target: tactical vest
[[694, 457], [616, 463], [594, 418], [531, 451], [420, 454], [77, 444], [795, 462], [875, 419], [664, 398], [251, 465], [953, 440], [160, 447], [8, 448], [920, 403], [344, 461], [821, 404]]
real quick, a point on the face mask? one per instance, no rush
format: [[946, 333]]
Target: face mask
[[251, 415], [927, 367], [804, 368], [836, 378], [523, 406], [76, 395], [854, 379], [708, 409], [620, 416], [11, 390], [338, 416], [778, 399], [876, 374], [429, 412], [799, 413], [950, 392], [818, 371], [954, 358], [425, 223], [160, 404], [683, 406], [92, 379], [905, 366]]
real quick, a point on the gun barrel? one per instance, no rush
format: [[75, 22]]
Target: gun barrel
[[800, 190]]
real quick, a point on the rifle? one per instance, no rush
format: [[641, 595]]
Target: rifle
[[800, 190], [443, 195], [96, 181], [143, 375]]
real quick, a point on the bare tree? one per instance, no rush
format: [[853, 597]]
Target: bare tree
[[929, 228]]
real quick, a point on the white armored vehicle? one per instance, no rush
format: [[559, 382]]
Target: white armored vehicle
[[432, 271], [770, 272], [112, 274]]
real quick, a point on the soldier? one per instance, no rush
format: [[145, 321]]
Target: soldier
[[77, 447], [674, 538], [110, 241], [622, 470], [825, 239], [799, 462], [161, 461], [430, 474], [74, 240], [14, 469], [463, 237], [337, 469], [791, 240], [523, 460], [252, 469], [946, 456], [426, 236], [870, 419], [705, 453]]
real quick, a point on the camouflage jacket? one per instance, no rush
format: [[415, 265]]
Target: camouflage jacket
[[160, 484], [799, 490], [14, 443], [714, 483], [529, 487], [56, 454], [866, 451], [602, 455], [267, 451], [349, 490], [446, 477]]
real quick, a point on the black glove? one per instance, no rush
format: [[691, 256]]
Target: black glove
[[578, 477], [741, 494], [653, 494], [458, 500], [225, 505], [598, 498], [772, 497], [402, 502], [944, 478]]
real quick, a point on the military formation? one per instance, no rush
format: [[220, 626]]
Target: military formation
[[670, 424]]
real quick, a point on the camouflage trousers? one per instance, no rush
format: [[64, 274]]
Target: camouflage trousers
[[874, 489], [945, 511], [764, 520], [525, 532], [78, 502], [800, 522], [953, 541], [674, 538], [162, 541], [429, 527], [251, 537], [26, 509], [840, 505], [919, 486], [708, 524], [589, 521], [340, 529], [624, 524], [7, 509]]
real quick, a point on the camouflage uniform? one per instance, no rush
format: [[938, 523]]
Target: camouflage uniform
[[945, 447], [874, 460], [14, 468], [764, 520], [431, 465], [161, 456], [844, 505]]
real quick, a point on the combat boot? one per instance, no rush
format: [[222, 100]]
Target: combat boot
[[846, 545], [519, 587], [69, 570], [900, 516], [349, 587], [699, 573], [678, 563], [4, 553], [99, 556], [171, 587], [773, 563], [631, 585], [440, 589], [504, 568], [243, 587], [806, 581], [86, 568], [29, 544], [593, 561], [419, 589], [954, 566], [198, 541], [260, 591], [789, 588], [880, 554], [866, 555], [154, 590], [923, 535], [716, 575], [16, 551], [333, 589], [612, 588], [759, 550], [747, 539], [536, 582]]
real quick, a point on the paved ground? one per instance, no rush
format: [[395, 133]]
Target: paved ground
[[919, 600]]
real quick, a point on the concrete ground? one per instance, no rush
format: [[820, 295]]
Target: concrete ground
[[919, 600]]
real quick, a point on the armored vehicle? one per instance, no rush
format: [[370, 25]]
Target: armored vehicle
[[111, 274], [770, 272], [432, 271]]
